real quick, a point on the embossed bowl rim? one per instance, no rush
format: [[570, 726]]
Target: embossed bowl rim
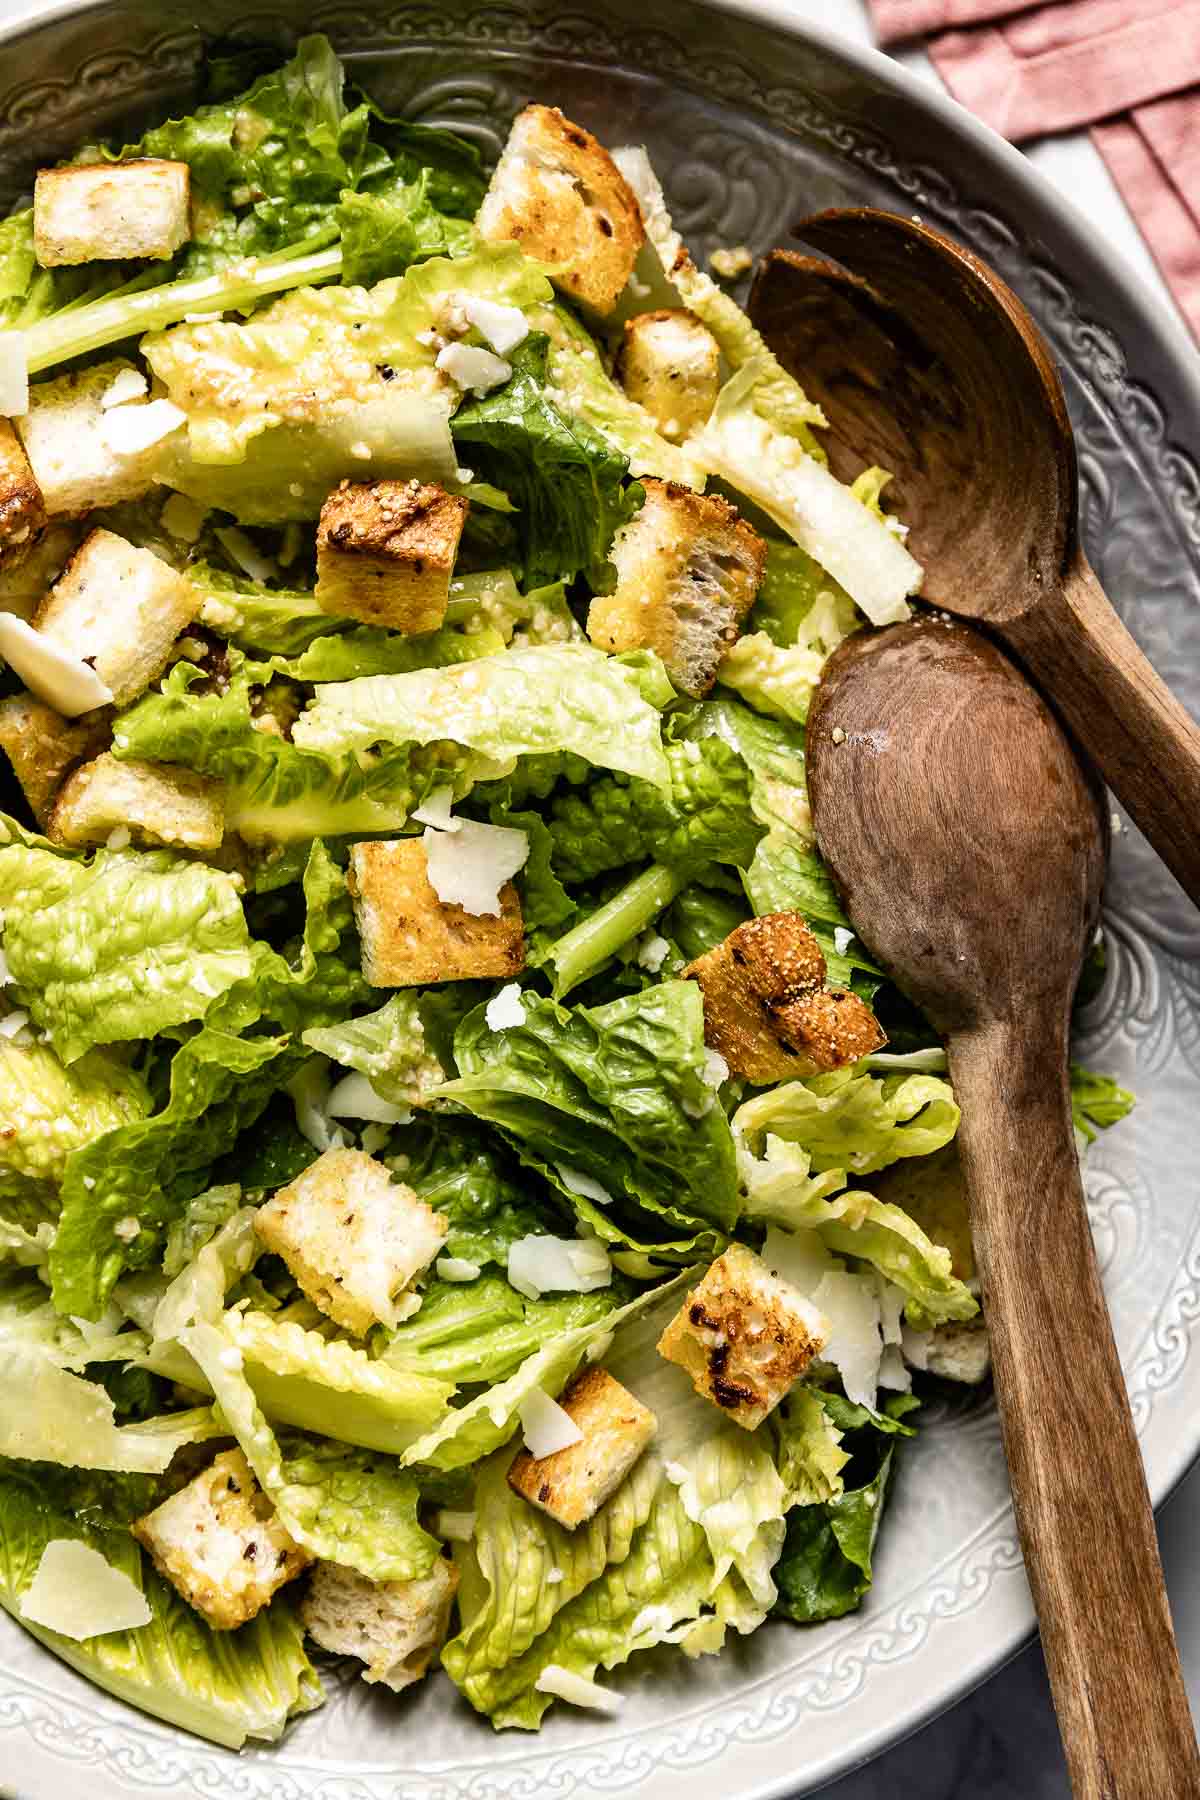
[[1171, 347]]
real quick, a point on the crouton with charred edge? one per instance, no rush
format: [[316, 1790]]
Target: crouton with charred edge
[[410, 937], [767, 1010], [744, 1336], [110, 212], [560, 195], [43, 747], [394, 1627], [22, 508], [385, 553], [352, 1237], [66, 441], [156, 802], [120, 609], [574, 1483], [688, 569], [220, 1545], [671, 364]]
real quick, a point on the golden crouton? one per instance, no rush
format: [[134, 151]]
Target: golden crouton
[[67, 434], [352, 1237], [560, 195], [410, 937], [108, 212], [220, 1544], [26, 580], [959, 1352], [671, 364], [688, 568], [767, 1010], [22, 509], [156, 802], [931, 1190], [394, 1627], [385, 552], [121, 609], [573, 1484], [42, 746], [744, 1336]]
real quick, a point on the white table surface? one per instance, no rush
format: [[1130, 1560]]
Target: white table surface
[[1001, 1743]]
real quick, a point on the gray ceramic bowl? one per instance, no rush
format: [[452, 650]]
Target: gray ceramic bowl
[[751, 124]]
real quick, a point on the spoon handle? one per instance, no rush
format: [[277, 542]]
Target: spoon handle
[[1079, 1490], [1143, 742]]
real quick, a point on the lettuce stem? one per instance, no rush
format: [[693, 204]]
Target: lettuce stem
[[77, 330], [588, 945]]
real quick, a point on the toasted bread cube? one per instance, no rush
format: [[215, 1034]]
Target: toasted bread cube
[[688, 568], [932, 1191], [220, 1544], [69, 448], [960, 1352], [410, 937], [385, 552], [560, 195], [25, 581], [671, 364], [42, 746], [121, 609], [394, 1627], [352, 1237], [573, 1484], [107, 212], [744, 1335], [22, 509], [156, 802], [767, 1010]]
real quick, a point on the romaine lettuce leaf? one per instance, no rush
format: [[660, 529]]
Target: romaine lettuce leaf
[[704, 816], [227, 1686], [388, 1046], [1097, 1101], [810, 1457], [547, 699], [48, 1110], [64, 1418], [464, 1172], [386, 230], [273, 621], [123, 947], [483, 1330], [617, 1092], [564, 477], [276, 791], [800, 617], [847, 1120]]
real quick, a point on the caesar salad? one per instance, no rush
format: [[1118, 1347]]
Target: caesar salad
[[467, 1199]]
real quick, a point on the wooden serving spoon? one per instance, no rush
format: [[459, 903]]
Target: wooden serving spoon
[[969, 846], [927, 363]]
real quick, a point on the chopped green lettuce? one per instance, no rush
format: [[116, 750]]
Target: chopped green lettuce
[[617, 1092], [126, 946], [608, 928], [48, 1110], [463, 1171], [810, 1456], [64, 1418], [389, 1047], [847, 1120], [228, 1686], [546, 699], [1097, 1101], [483, 1330], [386, 230]]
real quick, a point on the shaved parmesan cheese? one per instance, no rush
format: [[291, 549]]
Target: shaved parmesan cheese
[[64, 682], [246, 554], [435, 810], [14, 375], [458, 1527], [808, 502], [653, 952], [503, 327], [456, 1268], [468, 867], [578, 1181], [547, 1427], [79, 1594], [797, 1256], [310, 1091], [133, 427], [716, 1069], [851, 1305], [893, 1374], [564, 1684], [552, 1265], [504, 1011], [183, 518], [654, 1619], [842, 939], [470, 367], [127, 384], [355, 1098], [14, 1026], [915, 1346]]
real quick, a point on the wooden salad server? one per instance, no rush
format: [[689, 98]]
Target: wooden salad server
[[927, 364], [969, 846]]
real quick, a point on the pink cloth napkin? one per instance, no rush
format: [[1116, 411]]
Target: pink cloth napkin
[[1129, 69]]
